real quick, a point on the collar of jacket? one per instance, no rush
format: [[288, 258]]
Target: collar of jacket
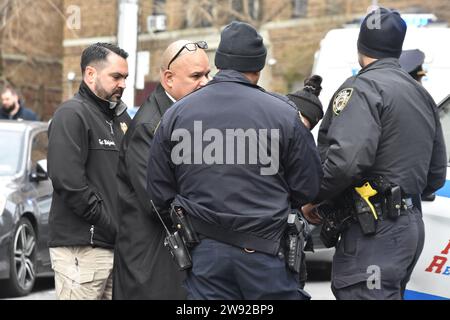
[[386, 63], [6, 115], [233, 76], [162, 100], [104, 105]]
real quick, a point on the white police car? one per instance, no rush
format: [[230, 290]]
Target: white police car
[[431, 276]]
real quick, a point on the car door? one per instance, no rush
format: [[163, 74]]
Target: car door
[[43, 191], [431, 276]]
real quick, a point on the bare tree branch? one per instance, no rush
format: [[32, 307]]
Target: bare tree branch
[[246, 11]]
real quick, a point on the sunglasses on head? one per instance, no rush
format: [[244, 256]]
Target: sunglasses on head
[[191, 46]]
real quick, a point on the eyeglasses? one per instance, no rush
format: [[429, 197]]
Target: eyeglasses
[[191, 46]]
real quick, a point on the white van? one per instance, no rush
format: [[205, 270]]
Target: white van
[[337, 60]]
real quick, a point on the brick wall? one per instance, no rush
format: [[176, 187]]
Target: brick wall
[[292, 45], [98, 18], [31, 52]]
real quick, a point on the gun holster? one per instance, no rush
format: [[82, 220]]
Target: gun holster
[[393, 202], [183, 224], [364, 215]]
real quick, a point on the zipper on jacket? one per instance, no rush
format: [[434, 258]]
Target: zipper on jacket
[[92, 235], [110, 125]]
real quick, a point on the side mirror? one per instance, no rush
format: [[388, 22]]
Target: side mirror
[[40, 172]]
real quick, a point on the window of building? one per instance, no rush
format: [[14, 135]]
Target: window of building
[[253, 8], [199, 14], [299, 8], [159, 7]]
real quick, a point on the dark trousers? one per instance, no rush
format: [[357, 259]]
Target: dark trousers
[[224, 272], [378, 266]]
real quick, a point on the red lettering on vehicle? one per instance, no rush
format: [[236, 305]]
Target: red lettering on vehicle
[[447, 249], [438, 262]]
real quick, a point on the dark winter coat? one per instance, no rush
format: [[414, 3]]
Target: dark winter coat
[[143, 267]]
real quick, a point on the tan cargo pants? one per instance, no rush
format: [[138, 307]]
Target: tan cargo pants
[[82, 273]]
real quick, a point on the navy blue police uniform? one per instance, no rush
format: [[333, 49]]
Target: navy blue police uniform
[[240, 213], [237, 196], [380, 123]]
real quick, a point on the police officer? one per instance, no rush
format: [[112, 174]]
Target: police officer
[[236, 158], [411, 61], [381, 123]]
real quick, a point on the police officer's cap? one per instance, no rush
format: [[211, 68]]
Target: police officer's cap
[[411, 61]]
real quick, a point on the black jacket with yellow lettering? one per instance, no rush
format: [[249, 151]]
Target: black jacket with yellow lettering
[[84, 139]]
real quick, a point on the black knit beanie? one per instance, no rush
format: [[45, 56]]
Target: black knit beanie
[[241, 48], [381, 35], [307, 100]]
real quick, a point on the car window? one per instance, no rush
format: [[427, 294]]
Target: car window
[[445, 122], [39, 148], [11, 146]]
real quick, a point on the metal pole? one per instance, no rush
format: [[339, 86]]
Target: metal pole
[[127, 40]]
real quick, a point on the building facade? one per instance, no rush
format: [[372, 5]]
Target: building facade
[[31, 55], [292, 30]]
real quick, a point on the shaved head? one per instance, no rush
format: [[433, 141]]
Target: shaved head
[[188, 72], [171, 51]]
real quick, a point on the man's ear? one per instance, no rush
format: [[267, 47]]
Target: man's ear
[[167, 78], [90, 74]]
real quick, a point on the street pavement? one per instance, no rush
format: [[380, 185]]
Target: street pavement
[[318, 286]]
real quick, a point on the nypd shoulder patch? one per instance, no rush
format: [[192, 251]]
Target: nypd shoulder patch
[[341, 100]]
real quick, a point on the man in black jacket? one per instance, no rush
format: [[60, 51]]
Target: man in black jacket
[[13, 108], [382, 128], [237, 159], [84, 138], [143, 268]]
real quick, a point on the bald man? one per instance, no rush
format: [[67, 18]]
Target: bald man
[[143, 268]]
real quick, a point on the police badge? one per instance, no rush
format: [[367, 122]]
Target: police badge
[[124, 127], [341, 100]]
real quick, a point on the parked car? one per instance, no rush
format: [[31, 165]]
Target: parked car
[[25, 199]]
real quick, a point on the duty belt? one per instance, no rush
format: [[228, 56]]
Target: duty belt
[[407, 204]]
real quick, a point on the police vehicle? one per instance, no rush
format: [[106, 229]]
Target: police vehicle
[[431, 277], [335, 61]]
